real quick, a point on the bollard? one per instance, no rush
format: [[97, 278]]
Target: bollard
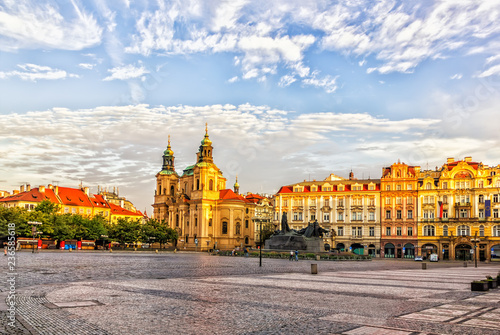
[[314, 269], [156, 251], [424, 266], [110, 250], [135, 249], [465, 264]]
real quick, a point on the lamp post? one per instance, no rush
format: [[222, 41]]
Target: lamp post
[[475, 240], [260, 218], [34, 232]]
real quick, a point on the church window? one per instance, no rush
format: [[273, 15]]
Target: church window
[[246, 240], [210, 222], [172, 190], [196, 222], [211, 185], [428, 186], [246, 223], [197, 184], [238, 229], [224, 227]]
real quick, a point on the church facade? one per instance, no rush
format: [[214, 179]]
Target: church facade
[[197, 204]]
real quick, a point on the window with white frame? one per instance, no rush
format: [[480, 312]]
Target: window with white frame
[[428, 186], [409, 200], [481, 230], [410, 231], [464, 213], [445, 185], [445, 213], [326, 202], [340, 231], [399, 231], [495, 197], [371, 231], [410, 214], [495, 213], [398, 201], [341, 202], [371, 202], [429, 231], [313, 217], [371, 216], [340, 216], [388, 200], [398, 187], [463, 230], [409, 187], [496, 231], [388, 231], [398, 214], [445, 230], [481, 213], [387, 214], [326, 217]]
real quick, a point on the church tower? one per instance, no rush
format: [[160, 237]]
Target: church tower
[[167, 181]]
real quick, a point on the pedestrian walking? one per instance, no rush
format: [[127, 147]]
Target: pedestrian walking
[[291, 255], [296, 255], [245, 250]]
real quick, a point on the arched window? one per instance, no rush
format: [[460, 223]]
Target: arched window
[[481, 230], [445, 230], [211, 185], [429, 231], [197, 184], [463, 231], [172, 190], [428, 186], [246, 240], [224, 227], [481, 198]]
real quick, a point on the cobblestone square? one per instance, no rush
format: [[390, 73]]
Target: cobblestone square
[[188, 293]]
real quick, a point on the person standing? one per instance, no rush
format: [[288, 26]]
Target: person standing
[[291, 255], [296, 255]]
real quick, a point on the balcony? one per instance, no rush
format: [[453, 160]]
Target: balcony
[[462, 204]]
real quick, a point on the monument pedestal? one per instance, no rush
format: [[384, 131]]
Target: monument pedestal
[[295, 242]]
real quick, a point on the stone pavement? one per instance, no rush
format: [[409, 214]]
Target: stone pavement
[[99, 293]]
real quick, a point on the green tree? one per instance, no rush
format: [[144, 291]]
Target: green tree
[[159, 230], [47, 207], [125, 231]]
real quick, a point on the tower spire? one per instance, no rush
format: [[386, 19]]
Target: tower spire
[[168, 158]]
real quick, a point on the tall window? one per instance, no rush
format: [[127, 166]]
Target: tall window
[[429, 231], [387, 214], [481, 198], [481, 213], [211, 185], [445, 230], [371, 216], [224, 227], [398, 214], [326, 217], [410, 214], [388, 200], [409, 187], [481, 230], [341, 202], [388, 231], [428, 186], [341, 216], [399, 231], [445, 213], [495, 197], [496, 231], [340, 231], [409, 200], [495, 213], [445, 199], [313, 217], [464, 213], [463, 231], [372, 231], [410, 231], [445, 185], [398, 200], [246, 223]]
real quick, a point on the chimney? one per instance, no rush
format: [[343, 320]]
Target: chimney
[[122, 204], [51, 187], [56, 190], [21, 188], [450, 160], [468, 159], [87, 191], [41, 189], [28, 187]]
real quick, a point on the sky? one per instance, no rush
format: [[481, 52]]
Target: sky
[[290, 90]]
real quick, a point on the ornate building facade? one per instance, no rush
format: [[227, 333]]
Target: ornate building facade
[[349, 208], [399, 235], [460, 210], [198, 206]]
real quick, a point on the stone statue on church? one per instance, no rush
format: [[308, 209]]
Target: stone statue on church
[[313, 230]]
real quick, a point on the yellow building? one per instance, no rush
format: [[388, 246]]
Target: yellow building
[[198, 206], [459, 207], [349, 208]]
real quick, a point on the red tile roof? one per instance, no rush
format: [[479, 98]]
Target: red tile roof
[[73, 197], [228, 194], [117, 210], [33, 195]]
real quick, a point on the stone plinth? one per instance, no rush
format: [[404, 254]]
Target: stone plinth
[[295, 242]]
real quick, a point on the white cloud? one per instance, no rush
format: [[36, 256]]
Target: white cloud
[[233, 79], [286, 81], [28, 24], [33, 72], [492, 71], [126, 72], [456, 76], [328, 83], [86, 66]]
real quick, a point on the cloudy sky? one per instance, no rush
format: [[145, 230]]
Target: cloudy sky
[[291, 90]]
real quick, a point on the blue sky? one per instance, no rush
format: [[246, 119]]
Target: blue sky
[[291, 90]]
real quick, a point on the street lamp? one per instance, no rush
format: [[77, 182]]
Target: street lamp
[[34, 232], [475, 240], [261, 218]]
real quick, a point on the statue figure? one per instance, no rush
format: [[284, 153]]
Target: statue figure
[[284, 224], [312, 230]]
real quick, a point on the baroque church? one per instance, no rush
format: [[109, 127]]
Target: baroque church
[[198, 206]]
